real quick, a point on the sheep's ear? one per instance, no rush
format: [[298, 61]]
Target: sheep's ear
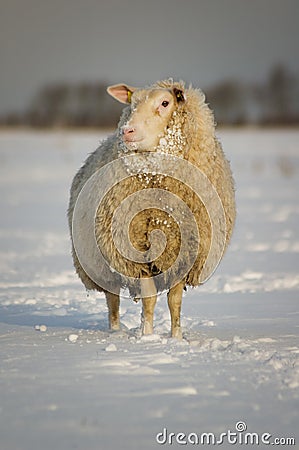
[[121, 92], [179, 95]]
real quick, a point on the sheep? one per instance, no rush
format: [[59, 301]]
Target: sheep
[[165, 120]]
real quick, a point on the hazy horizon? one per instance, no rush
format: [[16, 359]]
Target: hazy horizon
[[138, 42]]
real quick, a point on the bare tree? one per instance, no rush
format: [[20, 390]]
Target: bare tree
[[227, 99], [282, 96]]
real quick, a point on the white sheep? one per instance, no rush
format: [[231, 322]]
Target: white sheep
[[165, 120]]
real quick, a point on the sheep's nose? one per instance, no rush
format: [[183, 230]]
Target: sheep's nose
[[128, 130]]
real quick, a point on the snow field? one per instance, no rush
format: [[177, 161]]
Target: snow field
[[67, 383]]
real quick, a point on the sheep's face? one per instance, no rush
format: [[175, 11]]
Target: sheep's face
[[151, 111]]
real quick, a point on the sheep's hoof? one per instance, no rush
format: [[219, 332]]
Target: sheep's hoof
[[114, 327], [176, 333], [147, 328]]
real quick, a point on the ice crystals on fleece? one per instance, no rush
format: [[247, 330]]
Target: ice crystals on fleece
[[174, 140]]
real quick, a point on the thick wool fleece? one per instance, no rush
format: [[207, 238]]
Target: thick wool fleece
[[190, 134]]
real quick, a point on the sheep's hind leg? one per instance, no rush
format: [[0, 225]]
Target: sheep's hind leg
[[174, 298], [113, 309], [148, 305]]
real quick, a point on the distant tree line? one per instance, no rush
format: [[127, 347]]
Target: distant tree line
[[69, 105], [276, 102]]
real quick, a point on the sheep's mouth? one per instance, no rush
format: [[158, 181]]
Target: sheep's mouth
[[132, 144], [132, 141]]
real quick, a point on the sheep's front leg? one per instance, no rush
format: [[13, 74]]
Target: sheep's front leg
[[148, 305], [113, 309], [174, 298]]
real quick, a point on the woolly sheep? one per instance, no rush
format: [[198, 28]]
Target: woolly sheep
[[173, 120]]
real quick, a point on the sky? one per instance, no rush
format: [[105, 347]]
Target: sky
[[138, 42]]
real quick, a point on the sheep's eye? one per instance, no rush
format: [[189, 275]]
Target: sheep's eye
[[165, 103]]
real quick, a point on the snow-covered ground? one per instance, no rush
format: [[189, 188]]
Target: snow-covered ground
[[74, 385]]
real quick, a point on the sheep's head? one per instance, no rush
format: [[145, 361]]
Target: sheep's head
[[151, 112]]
